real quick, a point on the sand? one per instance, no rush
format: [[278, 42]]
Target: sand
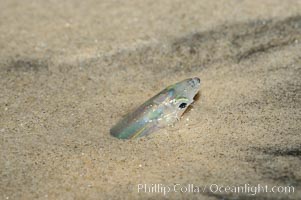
[[70, 70]]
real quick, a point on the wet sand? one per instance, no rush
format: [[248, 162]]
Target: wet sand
[[70, 70]]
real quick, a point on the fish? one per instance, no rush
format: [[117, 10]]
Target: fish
[[163, 109]]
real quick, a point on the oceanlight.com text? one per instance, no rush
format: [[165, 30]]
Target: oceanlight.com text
[[214, 188]]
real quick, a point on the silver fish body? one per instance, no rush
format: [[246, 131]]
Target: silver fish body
[[162, 110]]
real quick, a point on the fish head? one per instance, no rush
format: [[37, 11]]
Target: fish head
[[181, 95], [161, 110]]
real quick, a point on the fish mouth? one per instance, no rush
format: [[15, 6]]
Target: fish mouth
[[194, 82], [197, 79]]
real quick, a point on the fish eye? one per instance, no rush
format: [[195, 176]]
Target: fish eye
[[183, 105]]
